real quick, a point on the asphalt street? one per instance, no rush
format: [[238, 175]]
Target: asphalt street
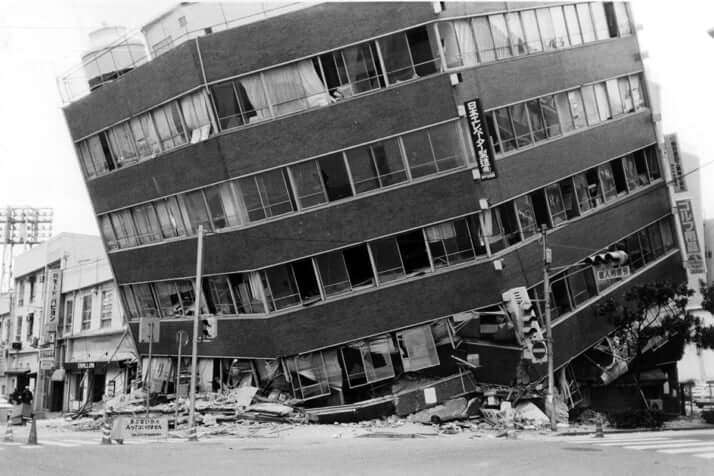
[[660, 453]]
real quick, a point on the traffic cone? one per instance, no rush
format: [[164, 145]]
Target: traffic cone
[[32, 437], [106, 430], [598, 429], [8, 431]]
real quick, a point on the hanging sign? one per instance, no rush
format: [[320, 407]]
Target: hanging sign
[[695, 260], [54, 285], [480, 138]]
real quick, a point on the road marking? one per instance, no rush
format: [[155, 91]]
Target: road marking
[[671, 444], [58, 443], [624, 440], [83, 442], [30, 447], [693, 449], [632, 442], [705, 455], [10, 443]]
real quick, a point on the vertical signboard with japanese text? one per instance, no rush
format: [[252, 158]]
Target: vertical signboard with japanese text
[[695, 257], [53, 287], [480, 138]]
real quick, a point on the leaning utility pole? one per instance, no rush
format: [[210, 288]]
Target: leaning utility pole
[[194, 348], [549, 401]]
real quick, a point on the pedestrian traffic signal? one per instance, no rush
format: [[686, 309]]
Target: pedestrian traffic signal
[[209, 328]]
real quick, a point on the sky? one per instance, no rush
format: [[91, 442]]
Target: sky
[[41, 39]]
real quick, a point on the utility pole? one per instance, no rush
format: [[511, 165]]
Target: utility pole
[[194, 348], [549, 401]]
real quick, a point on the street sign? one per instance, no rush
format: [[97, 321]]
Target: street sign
[[46, 364], [606, 273], [149, 330], [145, 427]]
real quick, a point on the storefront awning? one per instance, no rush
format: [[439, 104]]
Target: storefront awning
[[17, 371], [58, 375]]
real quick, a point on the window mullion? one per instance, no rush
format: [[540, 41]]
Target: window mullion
[[381, 62], [440, 47], [320, 284], [375, 273], [428, 251], [349, 173], [404, 158], [482, 224]]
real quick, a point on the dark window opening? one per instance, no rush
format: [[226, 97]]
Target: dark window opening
[[359, 266], [540, 209], [335, 178], [413, 251], [306, 280], [509, 223], [618, 174], [422, 55], [611, 19], [109, 160]]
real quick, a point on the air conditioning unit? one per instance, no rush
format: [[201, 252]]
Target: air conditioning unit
[[16, 345]]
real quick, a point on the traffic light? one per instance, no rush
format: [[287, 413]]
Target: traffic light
[[614, 258], [520, 307], [209, 328]]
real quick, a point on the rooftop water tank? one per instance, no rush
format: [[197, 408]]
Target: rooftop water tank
[[111, 54]]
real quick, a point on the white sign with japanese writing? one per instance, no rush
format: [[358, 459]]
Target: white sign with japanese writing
[[695, 258], [151, 427]]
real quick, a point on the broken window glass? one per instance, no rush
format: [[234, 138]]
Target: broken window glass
[[618, 174], [582, 284], [449, 243], [526, 215], [248, 292], [309, 375], [607, 179], [195, 211], [218, 295], [283, 291], [417, 348], [413, 251], [334, 177], [368, 361], [550, 115], [556, 204], [560, 295], [387, 259], [309, 190], [168, 297], [145, 300]]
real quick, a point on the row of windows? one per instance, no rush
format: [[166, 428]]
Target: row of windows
[[535, 120], [483, 39], [572, 287], [325, 79], [309, 280], [85, 310], [297, 187], [174, 124]]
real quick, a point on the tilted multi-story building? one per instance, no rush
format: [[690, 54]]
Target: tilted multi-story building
[[373, 177]]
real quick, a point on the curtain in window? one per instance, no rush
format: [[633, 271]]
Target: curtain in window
[[286, 89], [147, 142], [467, 45], [122, 143], [251, 96], [316, 93], [440, 232], [236, 213], [196, 113]]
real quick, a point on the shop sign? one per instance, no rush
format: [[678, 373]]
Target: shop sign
[[47, 364], [154, 427], [480, 138], [54, 285], [85, 365], [695, 260], [606, 273]]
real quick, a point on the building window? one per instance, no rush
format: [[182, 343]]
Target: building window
[[20, 292], [218, 295], [376, 166], [30, 325], [368, 361], [68, 315], [223, 206], [107, 308], [168, 297], [105, 225], [351, 71], [123, 225], [197, 115], [248, 292], [121, 141], [292, 284], [31, 280], [169, 125], [145, 300], [526, 216], [266, 195], [196, 211], [417, 348], [145, 136], [408, 55], [309, 375], [147, 223], [607, 179], [433, 150], [18, 329], [400, 256], [170, 219], [130, 306], [451, 243], [345, 270], [86, 311]]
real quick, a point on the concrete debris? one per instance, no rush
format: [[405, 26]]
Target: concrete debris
[[528, 414]]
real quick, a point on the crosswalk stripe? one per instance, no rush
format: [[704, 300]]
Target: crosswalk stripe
[[633, 442], [58, 443], [671, 444], [624, 440], [705, 455], [694, 449]]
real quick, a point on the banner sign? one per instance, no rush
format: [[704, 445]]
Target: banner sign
[[146, 427], [54, 285], [480, 138], [695, 259]]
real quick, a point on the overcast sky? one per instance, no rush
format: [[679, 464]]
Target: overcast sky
[[39, 40]]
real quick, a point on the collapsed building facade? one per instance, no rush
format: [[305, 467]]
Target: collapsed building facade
[[373, 179]]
